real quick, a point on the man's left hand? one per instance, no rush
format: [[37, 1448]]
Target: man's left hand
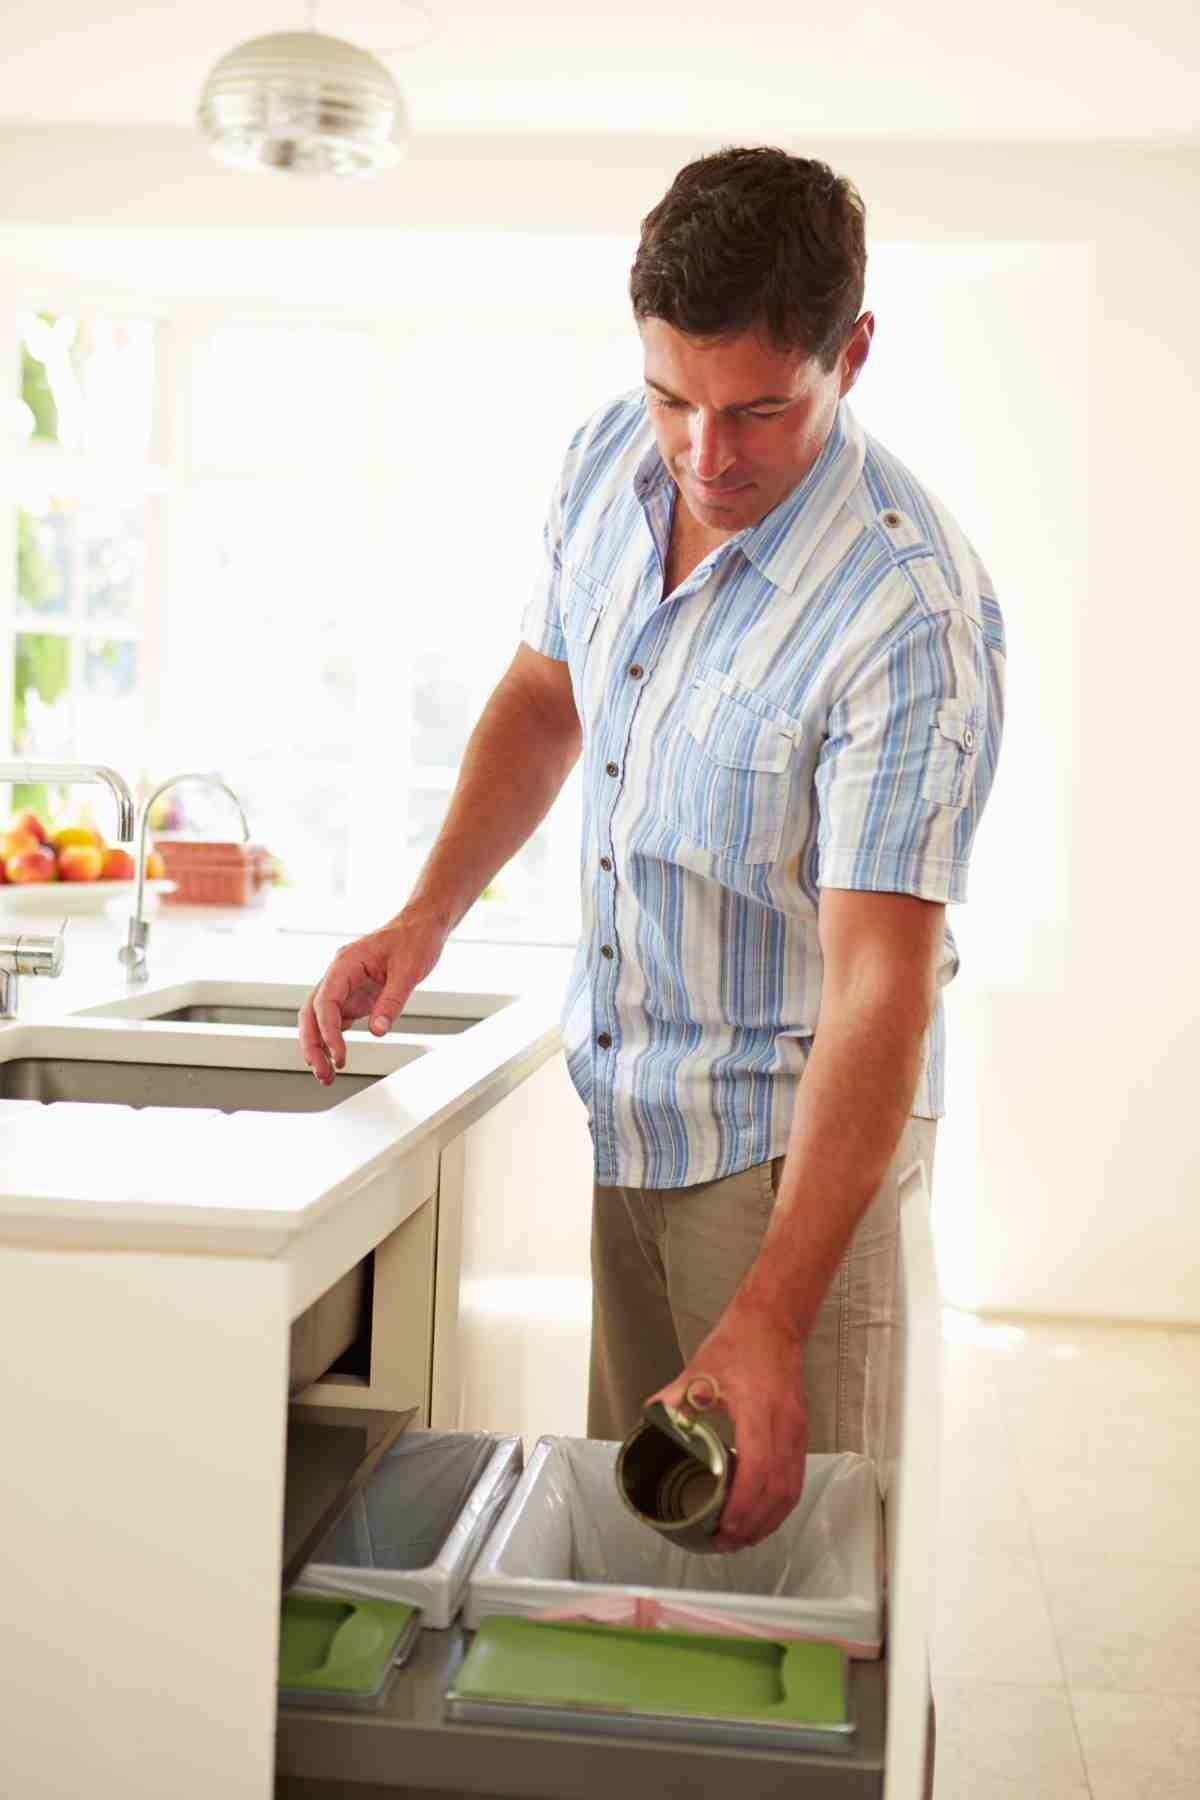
[[757, 1363]]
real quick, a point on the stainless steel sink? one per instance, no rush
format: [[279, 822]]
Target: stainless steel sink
[[208, 1012], [274, 1006], [48, 1078], [230, 1068]]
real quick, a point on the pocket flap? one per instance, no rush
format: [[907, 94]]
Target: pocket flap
[[961, 725], [733, 736], [584, 599]]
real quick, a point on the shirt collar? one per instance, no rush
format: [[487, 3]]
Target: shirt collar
[[781, 545], [775, 547]]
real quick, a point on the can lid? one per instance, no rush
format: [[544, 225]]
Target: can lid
[[690, 1433]]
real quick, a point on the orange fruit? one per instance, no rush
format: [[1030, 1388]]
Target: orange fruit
[[117, 864]]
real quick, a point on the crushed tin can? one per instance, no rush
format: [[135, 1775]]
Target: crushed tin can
[[673, 1473]]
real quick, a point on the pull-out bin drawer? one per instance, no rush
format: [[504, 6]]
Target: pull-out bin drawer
[[408, 1752]]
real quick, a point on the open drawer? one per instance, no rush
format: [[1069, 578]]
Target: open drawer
[[409, 1750]]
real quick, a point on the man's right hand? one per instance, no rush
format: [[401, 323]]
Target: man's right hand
[[372, 976]]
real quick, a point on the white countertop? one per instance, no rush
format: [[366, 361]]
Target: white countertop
[[176, 1178]]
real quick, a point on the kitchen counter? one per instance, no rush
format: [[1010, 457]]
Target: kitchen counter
[[154, 1177]]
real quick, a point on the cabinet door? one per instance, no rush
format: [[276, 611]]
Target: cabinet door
[[513, 1303]]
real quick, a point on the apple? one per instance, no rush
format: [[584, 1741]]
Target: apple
[[80, 862], [156, 868], [31, 865], [117, 865], [19, 843], [29, 822]]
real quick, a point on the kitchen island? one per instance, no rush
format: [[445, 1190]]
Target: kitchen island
[[153, 1262]]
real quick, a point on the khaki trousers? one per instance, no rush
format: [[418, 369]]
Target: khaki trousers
[[667, 1261]]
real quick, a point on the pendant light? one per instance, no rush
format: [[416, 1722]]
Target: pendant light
[[303, 103]]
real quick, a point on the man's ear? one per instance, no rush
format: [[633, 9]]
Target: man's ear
[[858, 348]]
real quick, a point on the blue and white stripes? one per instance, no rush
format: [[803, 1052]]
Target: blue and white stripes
[[818, 705]]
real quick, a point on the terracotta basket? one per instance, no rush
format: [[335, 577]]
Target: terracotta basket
[[210, 873]]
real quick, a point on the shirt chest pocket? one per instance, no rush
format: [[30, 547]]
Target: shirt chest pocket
[[735, 777]]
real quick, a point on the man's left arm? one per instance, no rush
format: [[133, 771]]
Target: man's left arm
[[879, 987]]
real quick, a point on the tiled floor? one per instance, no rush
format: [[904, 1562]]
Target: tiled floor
[[1067, 1646]]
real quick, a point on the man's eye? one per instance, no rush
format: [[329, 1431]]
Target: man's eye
[[764, 415], [662, 400]]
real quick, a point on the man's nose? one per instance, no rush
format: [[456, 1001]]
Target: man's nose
[[712, 446]]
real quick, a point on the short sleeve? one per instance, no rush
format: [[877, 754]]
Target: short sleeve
[[908, 762], [541, 622]]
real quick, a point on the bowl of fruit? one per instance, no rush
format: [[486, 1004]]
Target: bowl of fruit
[[65, 869]]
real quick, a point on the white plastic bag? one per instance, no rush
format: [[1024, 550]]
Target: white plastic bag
[[566, 1543], [413, 1532]]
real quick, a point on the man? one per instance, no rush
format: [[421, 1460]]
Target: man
[[783, 664]]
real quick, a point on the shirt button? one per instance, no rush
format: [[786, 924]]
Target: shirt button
[[604, 1041], [635, 671], [892, 519], [611, 769], [606, 865], [968, 738], [606, 951]]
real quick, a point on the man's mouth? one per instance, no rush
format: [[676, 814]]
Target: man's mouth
[[708, 490]]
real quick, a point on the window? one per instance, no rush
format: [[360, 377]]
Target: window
[[292, 545], [272, 564]]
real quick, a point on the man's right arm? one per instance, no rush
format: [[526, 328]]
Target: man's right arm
[[525, 745]]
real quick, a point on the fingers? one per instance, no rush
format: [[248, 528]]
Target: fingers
[[753, 1516], [324, 1014], [373, 976], [312, 1044], [327, 1006], [767, 1482], [392, 1000]]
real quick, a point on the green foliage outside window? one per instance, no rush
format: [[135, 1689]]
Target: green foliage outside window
[[37, 393], [41, 660]]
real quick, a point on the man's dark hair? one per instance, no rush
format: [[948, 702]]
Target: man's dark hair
[[755, 239]]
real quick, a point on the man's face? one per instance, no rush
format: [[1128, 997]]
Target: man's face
[[739, 424]]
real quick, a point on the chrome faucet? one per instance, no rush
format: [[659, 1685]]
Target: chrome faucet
[[23, 953], [133, 951], [68, 774]]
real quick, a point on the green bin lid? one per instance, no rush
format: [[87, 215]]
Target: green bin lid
[[339, 1644]]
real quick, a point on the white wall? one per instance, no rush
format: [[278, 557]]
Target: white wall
[[1055, 353]]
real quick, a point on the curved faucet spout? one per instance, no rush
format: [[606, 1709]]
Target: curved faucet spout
[[67, 774], [133, 952]]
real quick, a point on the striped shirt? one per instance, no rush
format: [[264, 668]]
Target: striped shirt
[[819, 704]]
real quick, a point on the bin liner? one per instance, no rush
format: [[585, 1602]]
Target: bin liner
[[568, 1546], [414, 1530]]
